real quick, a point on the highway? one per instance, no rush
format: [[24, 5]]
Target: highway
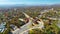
[[27, 26], [26, 31], [23, 28]]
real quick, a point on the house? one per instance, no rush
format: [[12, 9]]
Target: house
[[13, 27]]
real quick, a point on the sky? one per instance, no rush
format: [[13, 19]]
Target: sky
[[29, 2]]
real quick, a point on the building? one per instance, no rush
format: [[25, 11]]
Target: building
[[2, 26], [13, 27]]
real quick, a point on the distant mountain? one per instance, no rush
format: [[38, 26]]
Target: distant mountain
[[56, 5], [23, 5], [11, 6]]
